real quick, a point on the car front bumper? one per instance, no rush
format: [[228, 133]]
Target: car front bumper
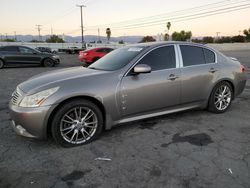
[[30, 122]]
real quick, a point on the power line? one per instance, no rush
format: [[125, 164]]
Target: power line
[[185, 18], [171, 14]]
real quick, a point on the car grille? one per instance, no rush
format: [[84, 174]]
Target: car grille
[[16, 96]]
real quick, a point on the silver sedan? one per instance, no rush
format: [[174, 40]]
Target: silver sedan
[[131, 83]]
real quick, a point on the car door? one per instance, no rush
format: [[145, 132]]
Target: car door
[[199, 70], [153, 91], [10, 54], [29, 56]]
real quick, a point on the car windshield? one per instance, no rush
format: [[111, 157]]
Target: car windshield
[[117, 59]]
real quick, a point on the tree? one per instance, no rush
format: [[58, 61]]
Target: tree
[[147, 39], [166, 37], [9, 40], [197, 40], [208, 40], [223, 40], [54, 39], [238, 38], [247, 33], [182, 36], [108, 32]]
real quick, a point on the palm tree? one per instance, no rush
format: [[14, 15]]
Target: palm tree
[[108, 32], [168, 27]]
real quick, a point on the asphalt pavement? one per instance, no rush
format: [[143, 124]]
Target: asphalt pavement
[[195, 149]]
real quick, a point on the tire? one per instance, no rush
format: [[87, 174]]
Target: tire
[[1, 64], [48, 62], [68, 130], [221, 98], [95, 59]]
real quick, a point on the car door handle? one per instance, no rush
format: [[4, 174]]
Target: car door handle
[[172, 77], [213, 70]]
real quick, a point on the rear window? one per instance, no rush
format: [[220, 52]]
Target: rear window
[[9, 49], [192, 55], [209, 56]]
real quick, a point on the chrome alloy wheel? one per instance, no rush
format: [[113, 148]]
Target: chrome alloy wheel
[[78, 125], [222, 98]]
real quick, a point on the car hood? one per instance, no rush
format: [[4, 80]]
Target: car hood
[[54, 77]]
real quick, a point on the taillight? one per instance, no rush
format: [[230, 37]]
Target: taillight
[[85, 54], [242, 68]]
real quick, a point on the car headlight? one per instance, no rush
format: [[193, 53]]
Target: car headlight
[[37, 99], [55, 56]]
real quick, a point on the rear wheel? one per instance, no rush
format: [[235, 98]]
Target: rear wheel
[[1, 64], [76, 123], [221, 98], [48, 62]]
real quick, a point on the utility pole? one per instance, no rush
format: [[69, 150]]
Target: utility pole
[[6, 35], [81, 23], [99, 39], [15, 35], [217, 34], [39, 30], [51, 31]]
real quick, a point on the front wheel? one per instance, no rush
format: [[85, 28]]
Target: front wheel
[[221, 98], [48, 63], [76, 123]]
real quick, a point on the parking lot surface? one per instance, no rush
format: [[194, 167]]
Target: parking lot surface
[[187, 149]]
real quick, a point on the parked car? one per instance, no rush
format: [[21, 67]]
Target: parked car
[[70, 50], [44, 49], [90, 56], [18, 55], [131, 83]]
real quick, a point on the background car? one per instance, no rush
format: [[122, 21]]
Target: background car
[[131, 83], [22, 55], [90, 56], [44, 49]]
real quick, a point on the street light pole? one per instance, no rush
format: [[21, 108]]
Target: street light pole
[[81, 23]]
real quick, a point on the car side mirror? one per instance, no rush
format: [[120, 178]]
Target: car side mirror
[[142, 69]]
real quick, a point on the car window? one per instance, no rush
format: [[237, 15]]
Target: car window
[[117, 59], [26, 50], [192, 55], [109, 50], [100, 50], [160, 58], [10, 49], [209, 56]]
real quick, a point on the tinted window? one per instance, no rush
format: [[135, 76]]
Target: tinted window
[[117, 58], [160, 58], [109, 50], [26, 50], [192, 55], [100, 50], [209, 56], [9, 49]]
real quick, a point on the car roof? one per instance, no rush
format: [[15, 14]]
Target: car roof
[[154, 44]]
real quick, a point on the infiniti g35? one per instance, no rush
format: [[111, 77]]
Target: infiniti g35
[[131, 83]]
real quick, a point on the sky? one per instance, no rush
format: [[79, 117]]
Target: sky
[[63, 16]]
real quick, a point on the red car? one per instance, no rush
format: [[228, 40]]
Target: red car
[[90, 56]]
